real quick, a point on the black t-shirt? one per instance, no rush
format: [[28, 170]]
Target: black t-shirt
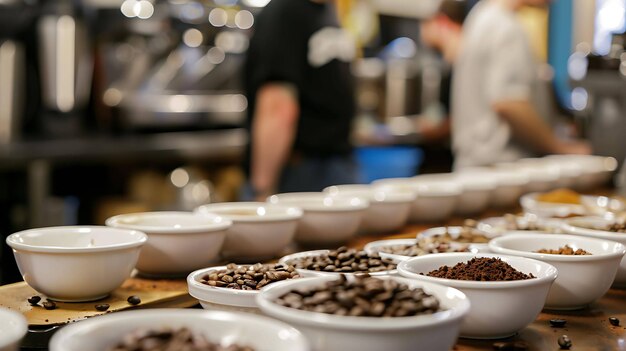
[[299, 42]]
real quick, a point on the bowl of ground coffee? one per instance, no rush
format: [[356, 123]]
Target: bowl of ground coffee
[[506, 292], [174, 327], [586, 266], [339, 313]]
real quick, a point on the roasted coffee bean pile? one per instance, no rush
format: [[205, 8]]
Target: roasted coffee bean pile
[[423, 247], [169, 339], [565, 250], [345, 260], [252, 277], [468, 234], [362, 296], [617, 227], [480, 269]]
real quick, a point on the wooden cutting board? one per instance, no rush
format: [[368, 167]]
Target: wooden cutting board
[[153, 293]]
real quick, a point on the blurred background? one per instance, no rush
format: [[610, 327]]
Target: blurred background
[[116, 106]]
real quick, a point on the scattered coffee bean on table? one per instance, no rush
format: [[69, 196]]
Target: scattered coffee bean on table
[[249, 277], [362, 296], [102, 307], [565, 250], [480, 269], [614, 321], [510, 346], [564, 342], [134, 300], [170, 339], [49, 305], [34, 300], [557, 323], [344, 260]]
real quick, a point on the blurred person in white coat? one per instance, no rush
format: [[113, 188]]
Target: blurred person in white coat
[[494, 118]]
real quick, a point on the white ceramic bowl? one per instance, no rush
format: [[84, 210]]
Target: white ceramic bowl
[[570, 171], [104, 332], [595, 170], [478, 188], [388, 210], [178, 242], [531, 205], [510, 185], [327, 332], [435, 200], [582, 279], [582, 225], [498, 309], [76, 263], [455, 232], [13, 327], [496, 226], [259, 231], [376, 246], [289, 260], [327, 220], [540, 179]]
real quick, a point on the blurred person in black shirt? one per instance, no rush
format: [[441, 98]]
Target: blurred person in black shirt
[[301, 99]]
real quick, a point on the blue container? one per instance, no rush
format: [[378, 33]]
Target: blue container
[[387, 162]]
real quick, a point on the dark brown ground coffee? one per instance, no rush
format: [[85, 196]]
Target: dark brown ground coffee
[[480, 269]]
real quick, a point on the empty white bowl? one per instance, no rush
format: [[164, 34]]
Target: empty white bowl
[[498, 309], [595, 170], [540, 178], [76, 263], [435, 199], [259, 231], [388, 210], [13, 327], [510, 185], [327, 220], [104, 332], [327, 332], [582, 279], [584, 226], [178, 242], [478, 188], [291, 259]]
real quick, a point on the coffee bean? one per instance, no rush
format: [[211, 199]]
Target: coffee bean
[[134, 300], [252, 277], [49, 305], [102, 307], [564, 342], [557, 323], [362, 296], [614, 321], [34, 300]]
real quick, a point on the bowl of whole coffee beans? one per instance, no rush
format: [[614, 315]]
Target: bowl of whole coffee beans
[[179, 329], [587, 266], [342, 312], [506, 292], [340, 261], [234, 287]]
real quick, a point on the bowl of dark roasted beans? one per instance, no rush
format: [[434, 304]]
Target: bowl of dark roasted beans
[[340, 261], [587, 266], [601, 228], [506, 292], [366, 313], [179, 329], [234, 287]]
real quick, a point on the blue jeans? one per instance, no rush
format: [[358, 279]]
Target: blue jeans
[[312, 174]]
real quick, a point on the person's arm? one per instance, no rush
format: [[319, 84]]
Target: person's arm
[[530, 129], [273, 132]]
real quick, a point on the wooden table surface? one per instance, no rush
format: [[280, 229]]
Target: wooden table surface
[[589, 329]]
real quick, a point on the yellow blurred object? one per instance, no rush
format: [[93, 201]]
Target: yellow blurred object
[[535, 22], [360, 19], [560, 196]]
